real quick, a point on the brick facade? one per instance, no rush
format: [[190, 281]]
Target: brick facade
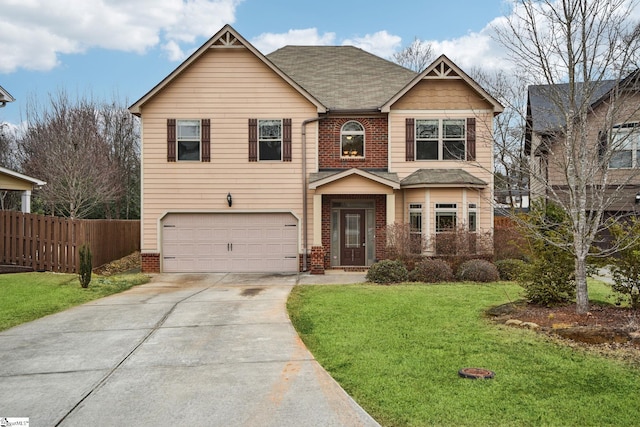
[[150, 263], [317, 260], [380, 218], [375, 143]]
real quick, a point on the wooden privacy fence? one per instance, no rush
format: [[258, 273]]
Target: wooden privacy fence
[[48, 243]]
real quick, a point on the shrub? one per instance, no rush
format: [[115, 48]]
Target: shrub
[[510, 269], [431, 271], [459, 245], [402, 245], [387, 271], [509, 243], [477, 270], [85, 266], [550, 277], [625, 266]]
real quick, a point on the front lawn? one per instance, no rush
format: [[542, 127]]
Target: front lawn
[[29, 296], [397, 350]]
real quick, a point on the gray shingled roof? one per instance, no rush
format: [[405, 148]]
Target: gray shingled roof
[[389, 176], [441, 177], [5, 96], [545, 114], [342, 77]]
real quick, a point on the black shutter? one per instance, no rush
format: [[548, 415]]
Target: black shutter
[[171, 140], [253, 140], [410, 140], [286, 140], [206, 140], [471, 139]]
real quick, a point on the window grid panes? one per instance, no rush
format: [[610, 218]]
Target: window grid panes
[[625, 146], [352, 230], [352, 140], [415, 227], [446, 217], [270, 139], [188, 139], [440, 139]]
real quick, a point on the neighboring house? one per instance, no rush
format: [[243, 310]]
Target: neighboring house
[[5, 97], [613, 118], [14, 181], [300, 159]]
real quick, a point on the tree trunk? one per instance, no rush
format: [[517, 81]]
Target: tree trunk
[[582, 295]]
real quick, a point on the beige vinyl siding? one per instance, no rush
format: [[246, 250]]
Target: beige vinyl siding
[[227, 86], [441, 94]]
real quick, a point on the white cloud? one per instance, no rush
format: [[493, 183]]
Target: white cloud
[[381, 43], [268, 42], [475, 49], [34, 33]]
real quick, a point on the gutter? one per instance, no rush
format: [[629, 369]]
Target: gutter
[[305, 225]]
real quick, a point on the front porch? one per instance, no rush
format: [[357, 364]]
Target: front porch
[[351, 212]]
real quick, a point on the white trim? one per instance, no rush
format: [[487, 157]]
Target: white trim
[[426, 114], [349, 172], [22, 177], [317, 220], [391, 208]]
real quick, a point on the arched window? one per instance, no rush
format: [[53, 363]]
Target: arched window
[[352, 140]]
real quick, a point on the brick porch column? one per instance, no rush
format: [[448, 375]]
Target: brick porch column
[[317, 260]]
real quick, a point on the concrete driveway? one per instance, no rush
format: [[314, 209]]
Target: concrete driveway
[[184, 350]]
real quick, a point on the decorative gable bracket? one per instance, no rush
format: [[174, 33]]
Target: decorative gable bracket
[[226, 40], [441, 71]]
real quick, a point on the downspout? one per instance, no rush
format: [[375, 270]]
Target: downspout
[[305, 225]]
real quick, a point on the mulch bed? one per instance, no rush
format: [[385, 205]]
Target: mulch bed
[[606, 329]]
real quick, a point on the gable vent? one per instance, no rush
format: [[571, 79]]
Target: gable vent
[[227, 40]]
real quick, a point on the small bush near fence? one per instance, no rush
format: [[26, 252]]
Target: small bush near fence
[[85, 266]]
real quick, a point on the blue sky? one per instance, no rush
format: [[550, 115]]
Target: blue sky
[[120, 49]]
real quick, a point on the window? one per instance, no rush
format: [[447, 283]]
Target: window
[[270, 139], [352, 140], [446, 215], [625, 146], [188, 139], [415, 227], [473, 218], [440, 139]]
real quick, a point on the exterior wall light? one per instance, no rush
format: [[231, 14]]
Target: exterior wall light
[[230, 200], [637, 198]]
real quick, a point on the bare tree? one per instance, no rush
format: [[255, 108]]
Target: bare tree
[[582, 53], [416, 56], [9, 200], [510, 177], [122, 132], [63, 145]]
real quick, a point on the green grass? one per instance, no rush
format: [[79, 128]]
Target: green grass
[[397, 350], [29, 296]]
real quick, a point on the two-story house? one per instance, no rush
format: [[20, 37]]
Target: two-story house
[[611, 161], [300, 159]]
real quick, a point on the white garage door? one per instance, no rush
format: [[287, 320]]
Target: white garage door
[[235, 242]]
